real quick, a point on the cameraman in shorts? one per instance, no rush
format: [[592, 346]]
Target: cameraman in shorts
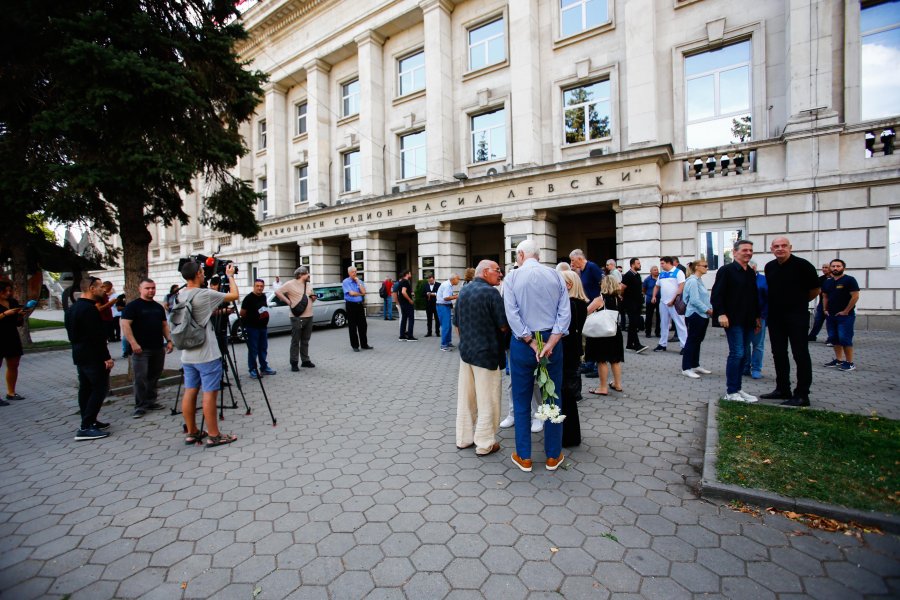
[[203, 364]]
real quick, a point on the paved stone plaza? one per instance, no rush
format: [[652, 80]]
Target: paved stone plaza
[[359, 491]]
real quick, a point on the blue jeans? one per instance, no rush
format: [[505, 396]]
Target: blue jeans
[[818, 320], [753, 361], [696, 332], [840, 329], [739, 338], [257, 345], [444, 316], [388, 308], [521, 371]]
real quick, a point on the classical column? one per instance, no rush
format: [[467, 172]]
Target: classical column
[[534, 224], [810, 66], [439, 90], [381, 257], [371, 113], [439, 241], [325, 262], [276, 150], [640, 71], [525, 81], [318, 127]]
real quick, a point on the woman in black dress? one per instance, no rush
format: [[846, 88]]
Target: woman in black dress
[[572, 351], [610, 349], [12, 316]]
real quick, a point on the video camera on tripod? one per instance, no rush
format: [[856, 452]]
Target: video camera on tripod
[[211, 266]]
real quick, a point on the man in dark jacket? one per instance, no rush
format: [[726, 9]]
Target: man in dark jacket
[[735, 301], [91, 357]]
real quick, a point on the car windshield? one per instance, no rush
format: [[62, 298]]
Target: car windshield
[[330, 293]]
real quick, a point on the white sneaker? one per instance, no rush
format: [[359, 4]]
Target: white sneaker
[[537, 425], [735, 397], [691, 374], [508, 422], [747, 397], [702, 371]]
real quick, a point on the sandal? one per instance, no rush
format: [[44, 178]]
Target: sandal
[[618, 389], [14, 397], [218, 440], [596, 393], [194, 438]]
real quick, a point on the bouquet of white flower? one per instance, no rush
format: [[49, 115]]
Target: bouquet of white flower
[[547, 411]]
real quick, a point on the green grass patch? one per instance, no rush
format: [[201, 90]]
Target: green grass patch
[[837, 458], [44, 324], [48, 344]]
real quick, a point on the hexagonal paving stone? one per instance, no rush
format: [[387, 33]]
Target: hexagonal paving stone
[[466, 573]]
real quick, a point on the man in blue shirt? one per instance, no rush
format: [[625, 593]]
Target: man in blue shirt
[[355, 300], [841, 293], [537, 303], [444, 303], [753, 362], [652, 308]]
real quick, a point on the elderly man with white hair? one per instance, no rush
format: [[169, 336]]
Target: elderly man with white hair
[[355, 301], [537, 304]]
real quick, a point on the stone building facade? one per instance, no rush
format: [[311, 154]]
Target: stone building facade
[[428, 134]]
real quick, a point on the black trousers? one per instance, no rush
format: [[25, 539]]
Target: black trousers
[[431, 313], [407, 320], [93, 384], [356, 324], [791, 328], [652, 311], [634, 315]]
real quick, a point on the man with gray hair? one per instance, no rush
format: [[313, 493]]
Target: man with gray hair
[[444, 303], [355, 302], [292, 293], [612, 271], [536, 301]]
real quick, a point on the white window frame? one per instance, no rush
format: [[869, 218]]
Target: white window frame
[[724, 246], [262, 187], [893, 258], [300, 124], [584, 26], [862, 35], [261, 135], [413, 149], [485, 42], [473, 133], [412, 72], [584, 106], [301, 181], [351, 171], [349, 98]]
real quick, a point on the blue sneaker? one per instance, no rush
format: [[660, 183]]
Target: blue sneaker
[[254, 374], [269, 371], [834, 363], [847, 366], [90, 434]]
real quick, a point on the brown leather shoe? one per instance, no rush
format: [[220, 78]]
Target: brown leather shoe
[[494, 448], [553, 463], [522, 463]]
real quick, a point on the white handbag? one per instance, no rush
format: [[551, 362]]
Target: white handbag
[[601, 324]]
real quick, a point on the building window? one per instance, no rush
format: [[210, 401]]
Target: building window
[[412, 155], [489, 136], [301, 119], [411, 73], [718, 96], [261, 137], [715, 246], [262, 186], [351, 171], [879, 26], [576, 16], [487, 44], [302, 175], [252, 270], [894, 241], [350, 98], [587, 112]]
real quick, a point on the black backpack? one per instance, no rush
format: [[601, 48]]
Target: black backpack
[[383, 291]]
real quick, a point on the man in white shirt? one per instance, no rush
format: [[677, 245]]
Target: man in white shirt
[[445, 297], [669, 284]]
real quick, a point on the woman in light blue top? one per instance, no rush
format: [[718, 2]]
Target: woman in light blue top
[[696, 297]]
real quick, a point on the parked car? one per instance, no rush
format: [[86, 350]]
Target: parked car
[[328, 310]]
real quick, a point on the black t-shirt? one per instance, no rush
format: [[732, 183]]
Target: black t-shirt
[[257, 311], [838, 292], [789, 285], [633, 296], [147, 318], [400, 286]]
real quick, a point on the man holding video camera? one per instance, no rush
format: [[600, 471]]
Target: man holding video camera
[[203, 365]]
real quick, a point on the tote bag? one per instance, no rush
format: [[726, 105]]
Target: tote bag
[[601, 324]]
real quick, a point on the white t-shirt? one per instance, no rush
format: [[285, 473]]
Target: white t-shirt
[[203, 302], [668, 283]]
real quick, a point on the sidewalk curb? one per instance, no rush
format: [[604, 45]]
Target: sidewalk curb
[[711, 487], [163, 382]]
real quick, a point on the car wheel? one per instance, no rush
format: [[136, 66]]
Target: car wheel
[[237, 331], [339, 318]]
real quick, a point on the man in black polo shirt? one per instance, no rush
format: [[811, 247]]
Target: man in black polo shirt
[[792, 284], [480, 321], [633, 299], [735, 302], [145, 328], [255, 317]]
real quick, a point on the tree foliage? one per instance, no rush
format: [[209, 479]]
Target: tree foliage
[[118, 107]]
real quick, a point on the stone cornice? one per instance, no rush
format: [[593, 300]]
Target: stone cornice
[[276, 21], [369, 36], [427, 5]]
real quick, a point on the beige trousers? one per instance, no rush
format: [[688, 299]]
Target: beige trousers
[[478, 407]]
